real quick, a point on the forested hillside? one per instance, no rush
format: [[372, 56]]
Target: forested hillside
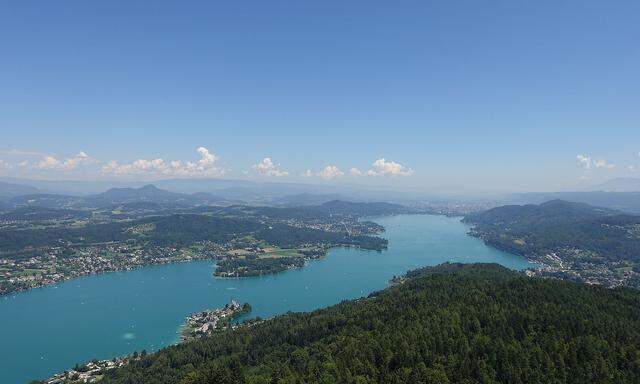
[[628, 201], [40, 245], [571, 240], [533, 229], [449, 324], [176, 230]]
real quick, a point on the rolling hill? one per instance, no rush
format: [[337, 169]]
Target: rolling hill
[[570, 240]]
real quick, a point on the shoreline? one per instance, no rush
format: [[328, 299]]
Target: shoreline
[[203, 273], [217, 258], [100, 273], [551, 265], [165, 262], [196, 325], [127, 264]]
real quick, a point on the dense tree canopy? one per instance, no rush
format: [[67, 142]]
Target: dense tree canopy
[[532, 230], [449, 324], [177, 230]]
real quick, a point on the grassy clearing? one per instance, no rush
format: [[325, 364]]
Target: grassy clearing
[[275, 252], [30, 272], [266, 252]]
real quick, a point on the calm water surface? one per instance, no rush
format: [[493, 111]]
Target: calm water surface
[[48, 330]]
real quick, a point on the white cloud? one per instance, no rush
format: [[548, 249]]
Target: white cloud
[[382, 167], [51, 162], [80, 159], [207, 165], [587, 163], [139, 166], [110, 167], [330, 172], [355, 171], [584, 161], [207, 161], [268, 168], [634, 168], [602, 163]]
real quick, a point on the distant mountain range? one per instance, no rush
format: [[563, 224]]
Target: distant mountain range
[[363, 209], [620, 184], [113, 196], [9, 190], [535, 215], [616, 194], [250, 192], [303, 199], [622, 201], [89, 194], [84, 187], [152, 198], [154, 194]]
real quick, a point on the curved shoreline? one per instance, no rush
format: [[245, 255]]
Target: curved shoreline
[[156, 299]]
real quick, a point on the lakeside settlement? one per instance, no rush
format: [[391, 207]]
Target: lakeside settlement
[[196, 325]]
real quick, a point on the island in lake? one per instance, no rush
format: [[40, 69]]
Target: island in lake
[[41, 246]]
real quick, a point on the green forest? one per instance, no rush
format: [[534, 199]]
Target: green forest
[[532, 230], [252, 266], [177, 230], [455, 323]]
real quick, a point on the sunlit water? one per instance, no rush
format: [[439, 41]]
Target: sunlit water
[[48, 330]]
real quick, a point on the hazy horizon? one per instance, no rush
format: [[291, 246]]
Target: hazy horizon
[[342, 190]]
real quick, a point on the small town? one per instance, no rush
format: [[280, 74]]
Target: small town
[[55, 266], [573, 264], [92, 371], [204, 323], [33, 267], [197, 325]]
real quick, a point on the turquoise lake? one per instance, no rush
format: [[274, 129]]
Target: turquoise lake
[[50, 329]]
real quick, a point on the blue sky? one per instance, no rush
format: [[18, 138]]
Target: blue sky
[[450, 95]]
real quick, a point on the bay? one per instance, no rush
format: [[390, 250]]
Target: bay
[[50, 329]]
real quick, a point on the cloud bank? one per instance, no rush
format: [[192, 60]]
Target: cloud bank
[[382, 167], [330, 172], [207, 165], [267, 167], [51, 162], [587, 163]]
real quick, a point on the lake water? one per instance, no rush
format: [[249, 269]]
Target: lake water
[[50, 329]]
